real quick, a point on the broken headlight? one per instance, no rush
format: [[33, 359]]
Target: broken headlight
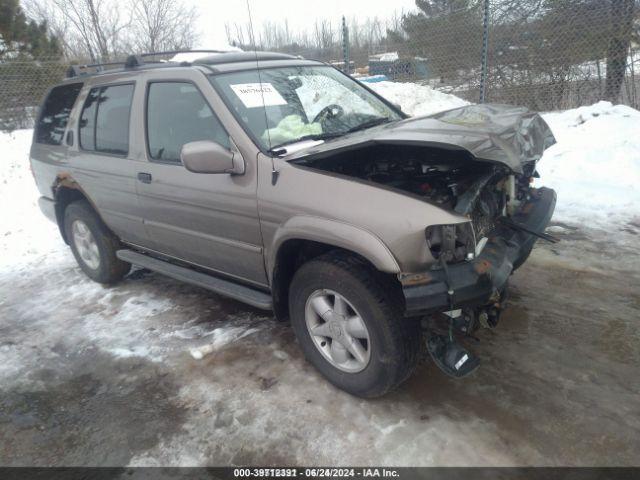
[[453, 242]]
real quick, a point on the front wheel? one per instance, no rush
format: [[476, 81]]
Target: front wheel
[[349, 326]]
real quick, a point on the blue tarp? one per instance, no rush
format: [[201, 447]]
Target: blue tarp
[[374, 79]]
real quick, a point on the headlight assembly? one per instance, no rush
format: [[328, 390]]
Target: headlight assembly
[[453, 242]]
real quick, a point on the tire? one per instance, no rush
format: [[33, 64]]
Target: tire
[[109, 268], [393, 342]]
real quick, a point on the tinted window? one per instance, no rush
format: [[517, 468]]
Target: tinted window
[[177, 113], [55, 113], [104, 123]]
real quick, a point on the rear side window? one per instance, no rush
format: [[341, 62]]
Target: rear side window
[[177, 113], [55, 113], [104, 122]]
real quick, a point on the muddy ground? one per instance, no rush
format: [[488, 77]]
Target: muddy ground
[[106, 376]]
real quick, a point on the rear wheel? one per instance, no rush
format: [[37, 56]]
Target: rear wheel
[[350, 327], [93, 245]]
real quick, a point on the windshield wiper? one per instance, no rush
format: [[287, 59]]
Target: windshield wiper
[[371, 123], [312, 136]]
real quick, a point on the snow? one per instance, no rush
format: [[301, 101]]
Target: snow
[[193, 56], [281, 355], [595, 166], [222, 337], [124, 326], [385, 57], [416, 99], [25, 234]]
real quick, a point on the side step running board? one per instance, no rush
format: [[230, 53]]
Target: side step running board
[[229, 289]]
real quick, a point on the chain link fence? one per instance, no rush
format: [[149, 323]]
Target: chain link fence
[[23, 83], [555, 55], [543, 54]]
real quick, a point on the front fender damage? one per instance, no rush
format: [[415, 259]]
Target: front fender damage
[[474, 291]]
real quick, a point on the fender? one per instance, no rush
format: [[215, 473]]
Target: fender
[[336, 233], [65, 180]]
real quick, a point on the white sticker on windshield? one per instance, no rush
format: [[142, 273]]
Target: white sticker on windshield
[[252, 95]]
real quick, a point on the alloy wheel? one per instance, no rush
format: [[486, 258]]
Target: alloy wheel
[[85, 244], [338, 331]]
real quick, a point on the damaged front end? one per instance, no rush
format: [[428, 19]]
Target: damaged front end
[[473, 293], [480, 279], [478, 162]]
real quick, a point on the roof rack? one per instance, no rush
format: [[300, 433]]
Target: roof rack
[[132, 61], [174, 52], [239, 57], [77, 70]]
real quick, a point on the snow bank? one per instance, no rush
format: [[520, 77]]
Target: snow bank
[[595, 166], [417, 99], [24, 232]]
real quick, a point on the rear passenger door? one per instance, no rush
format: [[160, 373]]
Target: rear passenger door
[[101, 159], [210, 220]]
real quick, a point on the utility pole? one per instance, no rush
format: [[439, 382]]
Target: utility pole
[[345, 45], [485, 51]]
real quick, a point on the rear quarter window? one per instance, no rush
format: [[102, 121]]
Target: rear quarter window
[[55, 113]]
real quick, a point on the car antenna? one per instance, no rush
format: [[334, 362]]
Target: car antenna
[[274, 172]]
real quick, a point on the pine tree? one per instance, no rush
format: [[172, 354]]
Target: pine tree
[[20, 36], [23, 80]]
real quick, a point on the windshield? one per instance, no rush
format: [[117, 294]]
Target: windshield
[[316, 102]]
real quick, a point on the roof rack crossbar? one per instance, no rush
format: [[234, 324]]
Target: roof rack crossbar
[[98, 65], [132, 61], [170, 52], [76, 70]]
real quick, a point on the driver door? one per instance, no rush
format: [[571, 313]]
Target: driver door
[[210, 220]]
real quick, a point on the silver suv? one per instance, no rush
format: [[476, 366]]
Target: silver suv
[[285, 184]]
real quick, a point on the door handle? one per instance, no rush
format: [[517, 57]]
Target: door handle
[[144, 177]]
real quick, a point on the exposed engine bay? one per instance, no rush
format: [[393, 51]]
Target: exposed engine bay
[[485, 192], [452, 179]]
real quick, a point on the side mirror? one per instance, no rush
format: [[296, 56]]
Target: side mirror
[[397, 105], [205, 156]]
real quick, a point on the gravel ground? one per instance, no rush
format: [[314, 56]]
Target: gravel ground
[[107, 376]]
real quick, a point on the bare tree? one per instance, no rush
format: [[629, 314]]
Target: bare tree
[[324, 35], [92, 28], [323, 40], [103, 29], [160, 25], [97, 23], [239, 34]]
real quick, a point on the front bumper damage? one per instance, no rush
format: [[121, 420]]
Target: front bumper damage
[[480, 281]]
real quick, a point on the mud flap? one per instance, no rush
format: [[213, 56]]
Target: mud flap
[[451, 357]]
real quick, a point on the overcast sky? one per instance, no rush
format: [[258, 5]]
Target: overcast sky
[[300, 13]]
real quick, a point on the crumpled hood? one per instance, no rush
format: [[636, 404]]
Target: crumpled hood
[[510, 135]]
